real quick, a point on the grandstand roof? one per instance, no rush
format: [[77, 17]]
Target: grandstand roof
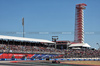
[[80, 44], [24, 39]]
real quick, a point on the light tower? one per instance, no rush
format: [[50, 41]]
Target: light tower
[[23, 25], [79, 23]]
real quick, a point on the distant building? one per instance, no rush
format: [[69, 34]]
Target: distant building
[[62, 44]]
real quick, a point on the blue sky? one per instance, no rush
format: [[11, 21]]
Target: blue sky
[[46, 18]]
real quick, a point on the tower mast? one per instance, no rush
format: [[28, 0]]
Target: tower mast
[[79, 23]]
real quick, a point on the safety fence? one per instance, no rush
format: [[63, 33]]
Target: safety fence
[[59, 59]]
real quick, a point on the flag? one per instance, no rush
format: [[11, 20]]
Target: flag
[[23, 21]]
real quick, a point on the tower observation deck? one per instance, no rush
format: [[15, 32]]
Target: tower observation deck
[[79, 23]]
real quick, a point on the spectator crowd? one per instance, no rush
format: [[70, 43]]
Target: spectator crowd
[[27, 49], [82, 53], [65, 53]]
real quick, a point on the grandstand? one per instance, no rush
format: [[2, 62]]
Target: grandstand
[[21, 48]]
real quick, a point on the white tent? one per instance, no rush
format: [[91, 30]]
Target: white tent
[[80, 45], [24, 39], [76, 48]]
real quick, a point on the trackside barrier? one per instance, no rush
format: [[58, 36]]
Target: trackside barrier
[[14, 59], [41, 59], [85, 59], [74, 59], [79, 59], [90, 59], [23, 59], [68, 59], [3, 59], [98, 59], [32, 59], [62, 59]]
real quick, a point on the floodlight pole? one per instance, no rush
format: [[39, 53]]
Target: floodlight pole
[[23, 25], [23, 30]]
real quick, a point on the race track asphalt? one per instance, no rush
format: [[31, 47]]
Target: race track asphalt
[[20, 64], [35, 64]]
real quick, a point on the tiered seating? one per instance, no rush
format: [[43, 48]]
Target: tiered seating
[[28, 49], [44, 56], [45, 52]]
